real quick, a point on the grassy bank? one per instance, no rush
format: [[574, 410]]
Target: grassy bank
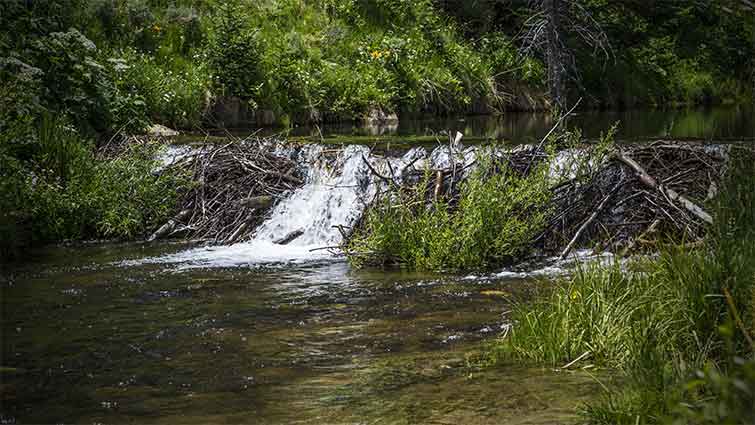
[[58, 189], [678, 328]]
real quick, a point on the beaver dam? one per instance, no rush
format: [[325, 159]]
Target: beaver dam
[[266, 200]]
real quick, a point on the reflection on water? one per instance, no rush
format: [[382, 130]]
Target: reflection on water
[[710, 123], [86, 339]]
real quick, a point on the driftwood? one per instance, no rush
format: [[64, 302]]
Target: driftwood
[[258, 202], [235, 185], [168, 227], [289, 237], [672, 195]]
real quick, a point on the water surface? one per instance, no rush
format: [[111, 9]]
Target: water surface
[[88, 339], [713, 123]]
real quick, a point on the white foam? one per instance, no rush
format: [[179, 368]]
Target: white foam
[[332, 196]]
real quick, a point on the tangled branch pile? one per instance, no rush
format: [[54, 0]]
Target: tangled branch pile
[[235, 184], [509, 202], [638, 195]]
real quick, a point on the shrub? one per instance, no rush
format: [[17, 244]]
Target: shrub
[[64, 192], [73, 80], [498, 215], [173, 93], [20, 102]]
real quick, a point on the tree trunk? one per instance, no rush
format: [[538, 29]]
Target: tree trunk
[[554, 55]]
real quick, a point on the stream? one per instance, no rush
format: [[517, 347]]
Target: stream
[[258, 332], [89, 340]]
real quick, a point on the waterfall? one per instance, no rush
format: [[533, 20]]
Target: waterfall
[[334, 195]]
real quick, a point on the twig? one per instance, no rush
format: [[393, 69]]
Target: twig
[[587, 222]]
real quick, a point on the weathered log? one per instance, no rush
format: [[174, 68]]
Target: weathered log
[[671, 194], [289, 237], [231, 239], [169, 226]]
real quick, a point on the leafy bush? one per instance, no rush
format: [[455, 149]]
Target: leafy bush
[[727, 397], [64, 192], [173, 93], [498, 215], [73, 80], [20, 102]]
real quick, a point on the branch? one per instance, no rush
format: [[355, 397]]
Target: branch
[[671, 194]]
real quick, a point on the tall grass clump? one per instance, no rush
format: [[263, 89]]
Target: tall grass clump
[[678, 329], [498, 214], [63, 191]]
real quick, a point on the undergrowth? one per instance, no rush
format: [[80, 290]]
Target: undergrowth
[[497, 216], [678, 328], [64, 192]]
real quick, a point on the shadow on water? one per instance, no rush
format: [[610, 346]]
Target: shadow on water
[[88, 340]]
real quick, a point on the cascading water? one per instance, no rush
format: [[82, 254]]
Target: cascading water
[[333, 196], [303, 226]]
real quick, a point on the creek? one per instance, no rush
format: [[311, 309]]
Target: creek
[[258, 332]]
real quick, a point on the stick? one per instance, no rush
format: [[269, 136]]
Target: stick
[[236, 234], [169, 226], [571, 363], [558, 124], [737, 318], [382, 177], [671, 194], [587, 222]]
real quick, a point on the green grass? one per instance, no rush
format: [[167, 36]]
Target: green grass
[[661, 323], [66, 192], [497, 216]]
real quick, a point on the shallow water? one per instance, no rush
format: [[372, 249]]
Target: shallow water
[[88, 338]]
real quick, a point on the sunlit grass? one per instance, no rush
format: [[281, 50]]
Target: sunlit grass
[[659, 322]]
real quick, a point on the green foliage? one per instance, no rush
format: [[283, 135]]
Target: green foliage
[[343, 58], [671, 53], [660, 322], [20, 102], [174, 93], [64, 192], [73, 80], [497, 216], [236, 52], [726, 397]]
